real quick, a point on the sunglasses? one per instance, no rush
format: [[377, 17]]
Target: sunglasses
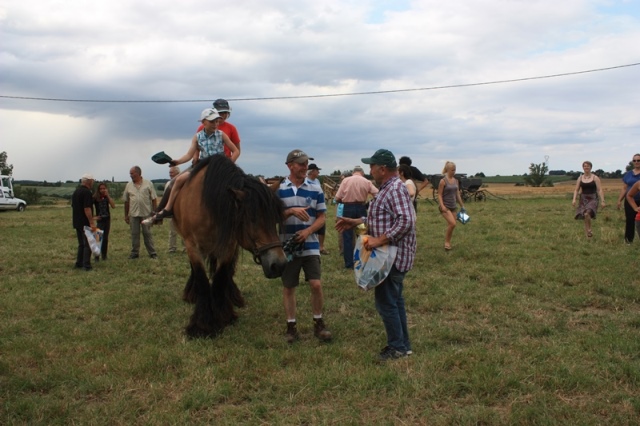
[[636, 161]]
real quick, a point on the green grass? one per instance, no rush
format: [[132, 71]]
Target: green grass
[[524, 322]]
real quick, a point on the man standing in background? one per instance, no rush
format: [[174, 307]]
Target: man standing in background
[[82, 215], [140, 201], [312, 177], [353, 193]]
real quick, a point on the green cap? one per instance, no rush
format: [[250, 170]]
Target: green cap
[[161, 158], [382, 157]]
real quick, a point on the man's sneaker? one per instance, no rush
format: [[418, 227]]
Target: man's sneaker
[[388, 353], [291, 334], [409, 352], [320, 330]]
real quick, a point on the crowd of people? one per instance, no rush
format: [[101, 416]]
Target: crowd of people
[[387, 209]]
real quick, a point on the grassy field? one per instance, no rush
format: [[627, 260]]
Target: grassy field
[[524, 322]]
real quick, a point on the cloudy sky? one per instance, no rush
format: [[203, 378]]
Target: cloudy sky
[[396, 65]]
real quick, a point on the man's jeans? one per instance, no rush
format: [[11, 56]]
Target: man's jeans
[[390, 306], [348, 237]]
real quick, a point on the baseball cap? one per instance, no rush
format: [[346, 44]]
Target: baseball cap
[[209, 114], [298, 156], [314, 166], [382, 157], [87, 176]]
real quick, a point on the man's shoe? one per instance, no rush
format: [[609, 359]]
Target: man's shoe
[[320, 330], [388, 353], [291, 334], [133, 256], [153, 256]]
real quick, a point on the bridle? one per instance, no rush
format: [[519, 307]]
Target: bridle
[[257, 251]]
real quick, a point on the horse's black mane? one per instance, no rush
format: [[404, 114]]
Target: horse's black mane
[[258, 206]]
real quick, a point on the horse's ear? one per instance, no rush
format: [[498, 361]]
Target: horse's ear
[[275, 185], [238, 194]]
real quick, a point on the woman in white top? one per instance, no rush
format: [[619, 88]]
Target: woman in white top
[[404, 172]]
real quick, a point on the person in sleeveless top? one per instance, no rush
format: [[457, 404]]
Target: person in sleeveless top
[[588, 185], [448, 195]]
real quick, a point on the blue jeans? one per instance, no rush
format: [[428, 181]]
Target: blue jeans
[[348, 236], [390, 306]]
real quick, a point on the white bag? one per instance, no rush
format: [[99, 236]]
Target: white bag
[[95, 240], [371, 267]]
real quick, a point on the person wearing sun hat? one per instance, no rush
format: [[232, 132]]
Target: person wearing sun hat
[[209, 141], [390, 220], [305, 214]]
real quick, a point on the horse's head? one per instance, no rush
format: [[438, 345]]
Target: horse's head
[[262, 211]]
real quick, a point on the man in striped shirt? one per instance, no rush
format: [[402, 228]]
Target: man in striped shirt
[[391, 220], [305, 215]]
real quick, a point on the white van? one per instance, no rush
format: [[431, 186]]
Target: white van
[[7, 200]]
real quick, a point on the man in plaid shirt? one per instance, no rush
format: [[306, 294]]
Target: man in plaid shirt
[[391, 220]]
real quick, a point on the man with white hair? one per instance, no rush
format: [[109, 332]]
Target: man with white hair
[[353, 193], [82, 215]]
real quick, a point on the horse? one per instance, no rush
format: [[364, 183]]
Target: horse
[[218, 210]]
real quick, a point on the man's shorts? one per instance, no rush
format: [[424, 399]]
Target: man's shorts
[[309, 264]]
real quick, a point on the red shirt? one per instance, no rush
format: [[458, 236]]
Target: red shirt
[[229, 130]]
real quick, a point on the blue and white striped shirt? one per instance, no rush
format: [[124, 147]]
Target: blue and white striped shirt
[[307, 195]]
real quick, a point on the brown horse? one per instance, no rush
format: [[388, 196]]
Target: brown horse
[[218, 210]]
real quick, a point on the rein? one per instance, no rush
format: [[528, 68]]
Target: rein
[[257, 252]]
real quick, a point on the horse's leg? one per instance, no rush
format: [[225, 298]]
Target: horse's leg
[[231, 290], [202, 322], [188, 294], [225, 294]]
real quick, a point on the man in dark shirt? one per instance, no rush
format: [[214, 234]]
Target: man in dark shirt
[[82, 213], [416, 174]]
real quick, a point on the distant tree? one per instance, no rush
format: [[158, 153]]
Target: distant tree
[[5, 169], [599, 173], [617, 174], [537, 175], [629, 166], [557, 173], [479, 174], [336, 173], [30, 195]]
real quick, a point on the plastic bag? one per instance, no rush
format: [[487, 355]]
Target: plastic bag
[[463, 217], [371, 267], [95, 240]]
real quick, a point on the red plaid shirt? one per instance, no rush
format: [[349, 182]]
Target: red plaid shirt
[[391, 213]]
